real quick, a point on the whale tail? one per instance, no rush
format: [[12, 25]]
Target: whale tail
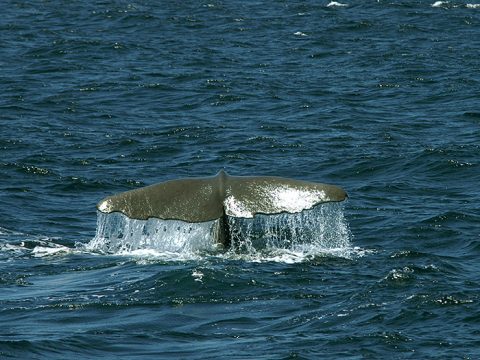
[[210, 198]]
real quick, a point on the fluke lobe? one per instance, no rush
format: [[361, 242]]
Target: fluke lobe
[[211, 198]]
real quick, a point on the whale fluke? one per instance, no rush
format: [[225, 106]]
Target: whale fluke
[[210, 198]]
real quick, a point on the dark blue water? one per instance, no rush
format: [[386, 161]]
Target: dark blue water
[[378, 97]]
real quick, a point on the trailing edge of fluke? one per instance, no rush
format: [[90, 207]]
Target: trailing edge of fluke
[[210, 198]]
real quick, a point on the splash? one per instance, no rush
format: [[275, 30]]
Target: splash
[[283, 237]]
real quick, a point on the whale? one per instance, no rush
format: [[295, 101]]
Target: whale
[[203, 199]]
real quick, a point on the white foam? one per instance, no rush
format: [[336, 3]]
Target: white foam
[[336, 4], [197, 275], [299, 33], [146, 256], [450, 5], [41, 251], [20, 245], [12, 248]]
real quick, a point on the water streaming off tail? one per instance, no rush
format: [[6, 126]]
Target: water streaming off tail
[[315, 231], [117, 233], [321, 229]]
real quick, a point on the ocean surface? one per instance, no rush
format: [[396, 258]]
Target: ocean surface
[[381, 98]]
